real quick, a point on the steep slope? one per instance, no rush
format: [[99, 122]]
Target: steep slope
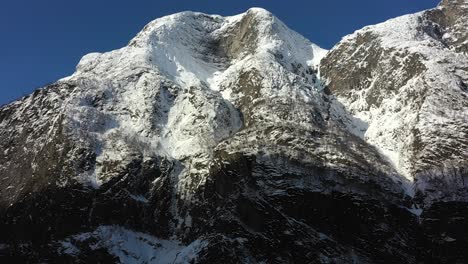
[[206, 139], [405, 84], [402, 86]]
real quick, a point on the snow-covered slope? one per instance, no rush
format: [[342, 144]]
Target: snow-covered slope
[[184, 84], [133, 247], [403, 84]]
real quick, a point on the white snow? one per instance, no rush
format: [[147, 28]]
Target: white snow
[[135, 247], [139, 198], [390, 126], [416, 211], [184, 101]]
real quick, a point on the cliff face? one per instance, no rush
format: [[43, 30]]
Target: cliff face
[[405, 80], [403, 86], [235, 139]]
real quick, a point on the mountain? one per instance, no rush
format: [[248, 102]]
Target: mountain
[[214, 139], [404, 85]]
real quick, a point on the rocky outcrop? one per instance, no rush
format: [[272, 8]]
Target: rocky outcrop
[[403, 83]]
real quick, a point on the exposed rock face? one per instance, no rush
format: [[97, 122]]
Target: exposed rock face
[[405, 82], [402, 84], [213, 139]]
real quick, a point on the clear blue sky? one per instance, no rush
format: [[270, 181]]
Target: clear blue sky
[[42, 41]]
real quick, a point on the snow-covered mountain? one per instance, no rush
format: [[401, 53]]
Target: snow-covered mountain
[[404, 84], [235, 139]]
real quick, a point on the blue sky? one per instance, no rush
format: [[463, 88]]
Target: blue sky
[[42, 41]]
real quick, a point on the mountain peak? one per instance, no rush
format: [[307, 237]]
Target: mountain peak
[[260, 12], [190, 47], [256, 29]]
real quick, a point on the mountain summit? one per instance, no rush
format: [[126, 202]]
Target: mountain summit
[[234, 139]]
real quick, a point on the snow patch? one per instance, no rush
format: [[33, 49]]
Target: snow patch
[[135, 247]]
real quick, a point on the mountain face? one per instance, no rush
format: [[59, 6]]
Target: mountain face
[[404, 85], [213, 139]]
